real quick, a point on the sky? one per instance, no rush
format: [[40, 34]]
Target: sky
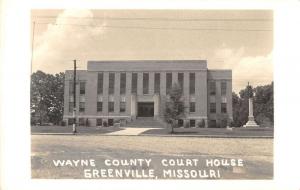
[[241, 40]]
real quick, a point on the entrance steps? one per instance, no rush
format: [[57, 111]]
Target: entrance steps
[[146, 122]]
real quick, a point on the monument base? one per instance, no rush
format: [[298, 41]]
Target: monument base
[[251, 123]]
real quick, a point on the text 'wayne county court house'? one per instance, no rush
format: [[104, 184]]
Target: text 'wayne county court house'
[[111, 92]]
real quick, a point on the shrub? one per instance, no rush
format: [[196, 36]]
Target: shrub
[[63, 123], [187, 124], [105, 124], [201, 124]]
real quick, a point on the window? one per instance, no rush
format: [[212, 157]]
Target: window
[[122, 106], [123, 83], [81, 121], [157, 83], [71, 87], [223, 108], [192, 123], [81, 106], [145, 83], [212, 88], [82, 87], [180, 122], [111, 83], [192, 83], [181, 80], [212, 107], [71, 106], [192, 107], [110, 122], [134, 83], [99, 122], [223, 88], [169, 82], [111, 106], [99, 106], [100, 83]]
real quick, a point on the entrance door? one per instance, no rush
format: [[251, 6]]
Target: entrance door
[[145, 109]]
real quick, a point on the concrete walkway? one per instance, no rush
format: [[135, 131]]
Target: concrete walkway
[[130, 131]]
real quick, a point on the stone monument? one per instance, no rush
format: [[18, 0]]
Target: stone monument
[[251, 122]]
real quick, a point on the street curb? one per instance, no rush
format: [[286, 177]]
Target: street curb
[[53, 134], [151, 135]]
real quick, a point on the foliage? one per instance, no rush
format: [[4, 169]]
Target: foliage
[[46, 92], [201, 124], [262, 104], [174, 107]]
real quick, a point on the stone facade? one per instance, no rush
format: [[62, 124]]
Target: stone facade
[[110, 92]]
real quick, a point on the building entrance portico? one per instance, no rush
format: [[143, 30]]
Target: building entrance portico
[[145, 109]]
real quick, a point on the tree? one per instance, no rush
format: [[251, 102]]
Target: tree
[[46, 97], [262, 103], [175, 109]]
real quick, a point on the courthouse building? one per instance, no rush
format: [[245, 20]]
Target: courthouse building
[[110, 92]]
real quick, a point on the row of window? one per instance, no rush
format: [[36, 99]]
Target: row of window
[[85, 122], [81, 87], [111, 85], [134, 79], [111, 106], [212, 108], [212, 88]]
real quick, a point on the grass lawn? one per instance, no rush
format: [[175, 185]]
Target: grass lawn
[[236, 132], [69, 129], [243, 132]]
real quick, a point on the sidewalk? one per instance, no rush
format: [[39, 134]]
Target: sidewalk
[[130, 131]]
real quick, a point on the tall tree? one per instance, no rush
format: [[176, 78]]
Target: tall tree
[[264, 105], [175, 109], [46, 97]]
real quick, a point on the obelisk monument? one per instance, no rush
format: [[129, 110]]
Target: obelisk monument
[[251, 122]]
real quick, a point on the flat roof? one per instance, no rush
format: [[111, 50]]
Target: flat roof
[[147, 65]]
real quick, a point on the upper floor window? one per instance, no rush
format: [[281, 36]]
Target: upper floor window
[[192, 83], [123, 83], [81, 106], [99, 106], [100, 83], [192, 107], [168, 82], [111, 106], [181, 80], [134, 83], [71, 87], [223, 88], [212, 107], [145, 83], [122, 106], [212, 88], [223, 108], [82, 87], [111, 85], [157, 83]]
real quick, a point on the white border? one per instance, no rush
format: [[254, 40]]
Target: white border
[[15, 85]]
